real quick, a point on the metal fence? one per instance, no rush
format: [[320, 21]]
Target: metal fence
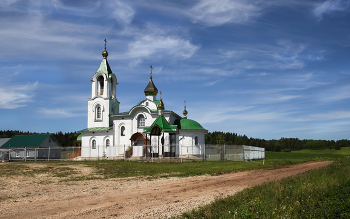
[[148, 152]]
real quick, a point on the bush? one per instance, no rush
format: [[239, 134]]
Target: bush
[[286, 150]]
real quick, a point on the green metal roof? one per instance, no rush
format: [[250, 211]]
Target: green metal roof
[[26, 141], [104, 67], [79, 138], [97, 129], [187, 124], [163, 124]]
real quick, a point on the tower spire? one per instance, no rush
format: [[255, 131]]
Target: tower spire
[[105, 53]]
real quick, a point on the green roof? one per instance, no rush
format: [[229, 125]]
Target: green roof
[[97, 129], [26, 141], [104, 67], [79, 138], [187, 124], [161, 123]]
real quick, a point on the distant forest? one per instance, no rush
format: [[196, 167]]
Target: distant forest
[[283, 144]]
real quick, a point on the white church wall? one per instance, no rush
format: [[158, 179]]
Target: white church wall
[[100, 138], [186, 141]]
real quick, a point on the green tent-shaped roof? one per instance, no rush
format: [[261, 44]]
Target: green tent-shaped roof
[[26, 141], [162, 124], [104, 67], [187, 124]]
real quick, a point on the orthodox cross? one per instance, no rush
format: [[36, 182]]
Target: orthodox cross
[[185, 104], [105, 43], [151, 70], [160, 93]]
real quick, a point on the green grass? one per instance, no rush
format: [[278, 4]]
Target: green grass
[[118, 169], [321, 193]]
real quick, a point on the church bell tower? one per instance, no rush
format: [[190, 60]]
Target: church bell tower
[[103, 103]]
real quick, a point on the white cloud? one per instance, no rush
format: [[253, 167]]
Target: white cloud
[[332, 115], [215, 13], [330, 6], [59, 112], [158, 42], [123, 13], [15, 96]]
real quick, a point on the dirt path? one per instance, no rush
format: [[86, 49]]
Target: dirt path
[[22, 197]]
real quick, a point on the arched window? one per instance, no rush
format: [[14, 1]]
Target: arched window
[[141, 121], [107, 143], [98, 112], [196, 140], [122, 131], [93, 144]]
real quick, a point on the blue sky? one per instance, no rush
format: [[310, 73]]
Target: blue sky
[[267, 69]]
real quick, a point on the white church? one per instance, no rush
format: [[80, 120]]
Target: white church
[[146, 130]]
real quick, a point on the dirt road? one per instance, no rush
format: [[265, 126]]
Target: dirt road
[[45, 197]]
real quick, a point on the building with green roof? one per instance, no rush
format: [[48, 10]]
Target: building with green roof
[[38, 146], [147, 123]]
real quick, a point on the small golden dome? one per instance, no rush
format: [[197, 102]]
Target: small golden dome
[[105, 53], [160, 105], [185, 112]]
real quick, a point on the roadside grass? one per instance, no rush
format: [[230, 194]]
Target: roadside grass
[[106, 169], [320, 193], [48, 168]]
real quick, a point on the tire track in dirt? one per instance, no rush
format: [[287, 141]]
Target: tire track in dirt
[[142, 199]]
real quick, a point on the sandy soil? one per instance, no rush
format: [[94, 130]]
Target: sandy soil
[[47, 197]]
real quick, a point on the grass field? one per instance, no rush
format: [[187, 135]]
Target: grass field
[[117, 169], [321, 193]]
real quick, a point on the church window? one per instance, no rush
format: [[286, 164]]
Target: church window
[[146, 103], [98, 113], [107, 143], [122, 131], [141, 121], [93, 144], [196, 140]]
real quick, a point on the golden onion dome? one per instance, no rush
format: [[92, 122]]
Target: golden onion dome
[[160, 105], [151, 89], [185, 112], [105, 53]]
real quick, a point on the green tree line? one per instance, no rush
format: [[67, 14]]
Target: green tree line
[[64, 139], [274, 145]]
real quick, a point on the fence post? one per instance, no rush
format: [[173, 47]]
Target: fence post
[[124, 152], [204, 153], [152, 152], [98, 152], [34, 154], [180, 152], [73, 153], [25, 154], [224, 151], [243, 151], [48, 155]]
